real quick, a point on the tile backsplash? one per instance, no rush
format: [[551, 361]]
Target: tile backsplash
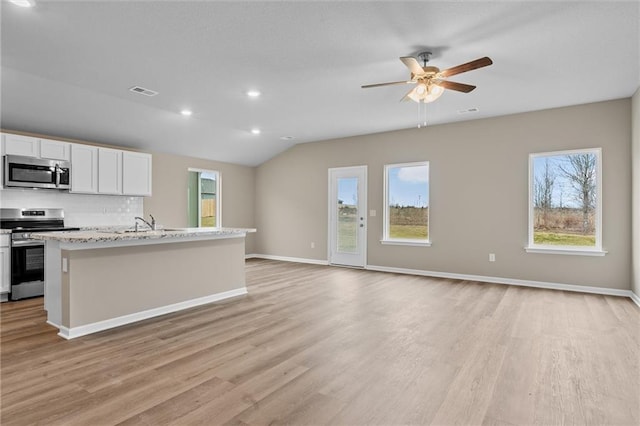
[[79, 209]]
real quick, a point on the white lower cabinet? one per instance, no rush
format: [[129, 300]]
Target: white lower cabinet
[[84, 169], [109, 171], [136, 173], [5, 264]]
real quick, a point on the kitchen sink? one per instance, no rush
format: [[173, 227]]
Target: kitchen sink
[[141, 231], [191, 229], [132, 231]]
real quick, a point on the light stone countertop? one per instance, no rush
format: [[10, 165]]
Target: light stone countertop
[[114, 235], [5, 231]]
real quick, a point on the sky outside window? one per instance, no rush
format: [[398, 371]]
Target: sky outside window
[[563, 193], [409, 186], [348, 190]]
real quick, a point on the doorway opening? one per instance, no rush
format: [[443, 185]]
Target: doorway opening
[[203, 199]]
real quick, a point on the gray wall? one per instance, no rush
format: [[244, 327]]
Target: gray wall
[[478, 194], [635, 158], [170, 184]]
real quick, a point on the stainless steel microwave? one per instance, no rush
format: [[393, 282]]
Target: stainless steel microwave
[[28, 172]]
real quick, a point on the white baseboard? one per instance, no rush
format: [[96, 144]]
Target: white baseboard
[[480, 278], [83, 330], [509, 281], [287, 259]]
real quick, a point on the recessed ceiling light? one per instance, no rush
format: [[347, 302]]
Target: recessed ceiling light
[[255, 131], [287, 138], [24, 3], [253, 93], [186, 112]]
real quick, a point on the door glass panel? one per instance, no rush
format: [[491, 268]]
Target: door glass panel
[[347, 215]]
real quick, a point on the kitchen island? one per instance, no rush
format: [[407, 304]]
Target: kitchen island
[[97, 280]]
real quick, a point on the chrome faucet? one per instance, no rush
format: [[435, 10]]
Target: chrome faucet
[[151, 225]]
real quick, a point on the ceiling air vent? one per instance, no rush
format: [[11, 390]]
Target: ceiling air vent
[[143, 91], [467, 111]]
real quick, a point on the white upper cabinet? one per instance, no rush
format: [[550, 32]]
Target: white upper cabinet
[[94, 170], [136, 173], [20, 145], [84, 169], [55, 150], [109, 171]]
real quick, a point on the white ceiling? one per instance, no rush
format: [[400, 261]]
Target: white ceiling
[[67, 67]]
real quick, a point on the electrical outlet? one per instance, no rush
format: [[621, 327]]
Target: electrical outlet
[[313, 245], [492, 257], [372, 213], [65, 265]]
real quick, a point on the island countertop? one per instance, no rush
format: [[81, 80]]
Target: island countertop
[[117, 237]]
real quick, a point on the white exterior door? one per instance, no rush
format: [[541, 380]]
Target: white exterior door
[[347, 216]]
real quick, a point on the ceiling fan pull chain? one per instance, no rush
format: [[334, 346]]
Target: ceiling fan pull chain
[[422, 111], [425, 114]]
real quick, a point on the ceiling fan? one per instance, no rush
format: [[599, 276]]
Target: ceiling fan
[[430, 81]]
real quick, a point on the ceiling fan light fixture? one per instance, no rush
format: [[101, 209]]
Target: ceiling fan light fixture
[[413, 95], [425, 93], [433, 93]]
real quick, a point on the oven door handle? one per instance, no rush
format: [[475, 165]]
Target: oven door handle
[[26, 243]]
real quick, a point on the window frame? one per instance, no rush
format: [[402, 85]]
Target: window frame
[[386, 213], [218, 194], [595, 250]]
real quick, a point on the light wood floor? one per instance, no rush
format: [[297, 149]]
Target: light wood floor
[[321, 345]]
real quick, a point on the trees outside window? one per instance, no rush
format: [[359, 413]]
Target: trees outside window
[[565, 199]]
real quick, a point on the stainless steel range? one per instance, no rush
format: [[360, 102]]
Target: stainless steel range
[[27, 255]]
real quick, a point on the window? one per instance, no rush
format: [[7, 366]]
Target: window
[[565, 202], [204, 198], [406, 211]]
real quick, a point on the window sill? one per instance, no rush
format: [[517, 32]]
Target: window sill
[[565, 250], [406, 243]]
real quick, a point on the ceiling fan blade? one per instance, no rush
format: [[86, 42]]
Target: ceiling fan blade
[[412, 64], [452, 85], [469, 66], [366, 86], [406, 97]]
